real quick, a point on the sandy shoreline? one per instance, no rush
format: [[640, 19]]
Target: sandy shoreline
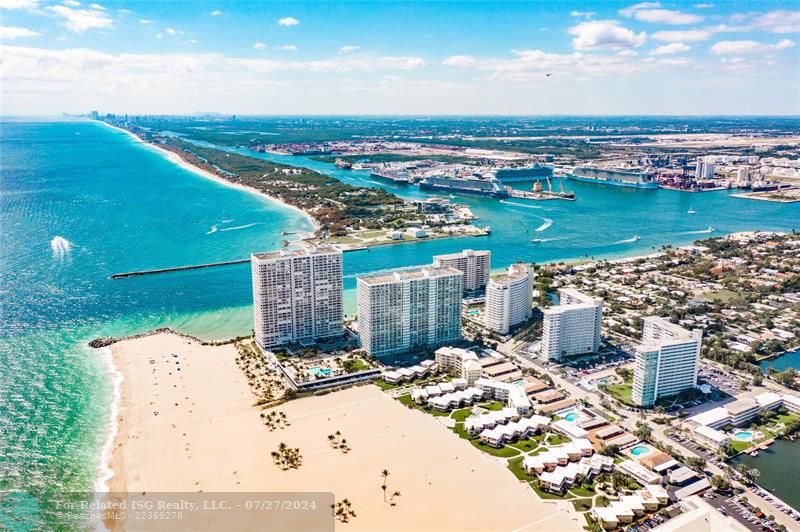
[[197, 429], [175, 158]]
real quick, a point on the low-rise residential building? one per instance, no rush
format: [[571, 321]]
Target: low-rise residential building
[[639, 472]]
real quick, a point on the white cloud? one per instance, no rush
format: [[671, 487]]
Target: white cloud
[[462, 61], [683, 35], [288, 21], [216, 13], [71, 3], [173, 32], [191, 41], [348, 49], [9, 33], [288, 48], [401, 62], [146, 21], [527, 65], [582, 14], [19, 4], [604, 35], [653, 12], [97, 6], [748, 47], [779, 21], [703, 6], [81, 20], [259, 46], [628, 11], [672, 48]]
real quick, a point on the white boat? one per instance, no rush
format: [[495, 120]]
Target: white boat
[[537, 240], [691, 211], [636, 238], [754, 453]]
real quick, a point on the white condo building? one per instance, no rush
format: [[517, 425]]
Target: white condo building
[[572, 327], [404, 310], [509, 298], [459, 363], [667, 360], [475, 265], [297, 295]]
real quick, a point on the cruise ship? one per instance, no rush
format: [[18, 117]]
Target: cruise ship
[[620, 177], [396, 176], [469, 185], [519, 174]]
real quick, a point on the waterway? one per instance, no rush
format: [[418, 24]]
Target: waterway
[[779, 467]]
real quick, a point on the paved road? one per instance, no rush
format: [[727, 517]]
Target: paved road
[[629, 422]]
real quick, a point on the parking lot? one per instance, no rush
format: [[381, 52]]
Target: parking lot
[[743, 512]]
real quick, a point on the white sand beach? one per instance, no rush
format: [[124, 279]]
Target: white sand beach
[[197, 429], [175, 158]]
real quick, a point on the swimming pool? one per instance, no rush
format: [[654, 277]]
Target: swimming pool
[[320, 372], [640, 450], [572, 417], [743, 435]]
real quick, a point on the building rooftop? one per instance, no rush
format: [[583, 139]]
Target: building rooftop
[[299, 252], [408, 275], [741, 406], [710, 417]]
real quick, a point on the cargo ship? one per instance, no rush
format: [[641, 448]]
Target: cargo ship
[[619, 177], [469, 185], [519, 174]]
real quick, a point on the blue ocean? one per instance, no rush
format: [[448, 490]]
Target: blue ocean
[[81, 201]]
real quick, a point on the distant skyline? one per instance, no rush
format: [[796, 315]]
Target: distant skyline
[[387, 58]]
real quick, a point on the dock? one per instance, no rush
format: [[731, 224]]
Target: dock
[[178, 268]]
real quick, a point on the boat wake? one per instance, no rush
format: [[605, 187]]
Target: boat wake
[[520, 204], [60, 247], [628, 240], [700, 232], [543, 240], [238, 227], [547, 223], [213, 230]]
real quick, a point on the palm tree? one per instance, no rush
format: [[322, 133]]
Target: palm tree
[[331, 438], [753, 474], [385, 475]]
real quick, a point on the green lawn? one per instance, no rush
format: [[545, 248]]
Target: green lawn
[[740, 446], [584, 490], [621, 392], [582, 505], [502, 452], [493, 406], [557, 439], [409, 402], [601, 502], [461, 415], [526, 445], [515, 465], [546, 494], [383, 385]]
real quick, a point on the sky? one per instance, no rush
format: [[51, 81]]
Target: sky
[[360, 57]]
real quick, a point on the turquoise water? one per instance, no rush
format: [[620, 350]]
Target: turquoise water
[[785, 361], [572, 417], [640, 450], [324, 372], [122, 206], [600, 223], [744, 435]]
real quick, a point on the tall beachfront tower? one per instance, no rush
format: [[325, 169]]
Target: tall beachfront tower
[[509, 298], [572, 327], [404, 310], [297, 295], [475, 265], [667, 361]]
